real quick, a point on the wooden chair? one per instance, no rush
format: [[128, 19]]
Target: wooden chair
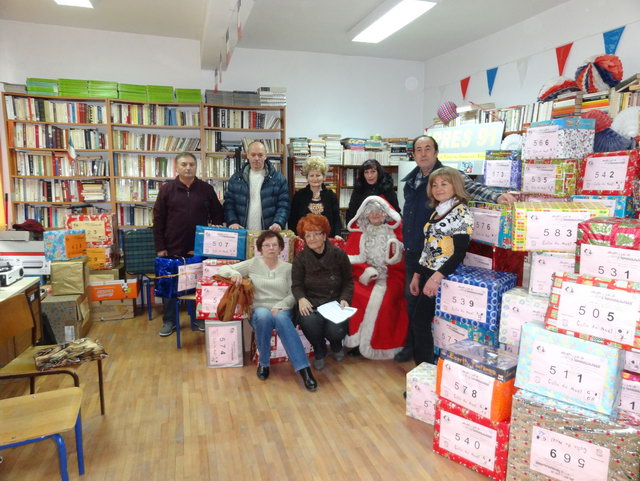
[[36, 417], [17, 318]]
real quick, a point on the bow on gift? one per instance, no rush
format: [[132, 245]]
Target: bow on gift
[[236, 298]]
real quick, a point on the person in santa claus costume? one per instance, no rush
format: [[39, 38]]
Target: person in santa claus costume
[[377, 330]]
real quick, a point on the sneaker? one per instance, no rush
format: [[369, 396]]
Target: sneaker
[[338, 356], [200, 325], [319, 364], [168, 328]]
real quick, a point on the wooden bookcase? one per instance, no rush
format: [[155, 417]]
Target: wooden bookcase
[[126, 147]]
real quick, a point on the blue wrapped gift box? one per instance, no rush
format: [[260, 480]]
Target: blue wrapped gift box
[[503, 168], [220, 242], [169, 270]]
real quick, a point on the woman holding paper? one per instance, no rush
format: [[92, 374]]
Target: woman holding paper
[[321, 274], [272, 305], [447, 234]]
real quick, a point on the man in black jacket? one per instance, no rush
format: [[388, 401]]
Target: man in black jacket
[[182, 204]]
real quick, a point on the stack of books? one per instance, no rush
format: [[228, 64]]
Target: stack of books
[[352, 143], [94, 191], [273, 96], [221, 97], [317, 147], [103, 89], [191, 96], [160, 93], [42, 86], [398, 149], [299, 147], [132, 92], [333, 149], [16, 88], [73, 88], [241, 97]]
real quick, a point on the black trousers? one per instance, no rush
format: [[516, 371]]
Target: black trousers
[[420, 322], [411, 266], [318, 330]]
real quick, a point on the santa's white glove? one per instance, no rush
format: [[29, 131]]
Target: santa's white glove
[[369, 274]]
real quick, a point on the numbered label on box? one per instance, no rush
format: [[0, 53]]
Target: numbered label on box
[[466, 387], [446, 333], [541, 142], [539, 179], [486, 225], [605, 173], [220, 243], [553, 231], [189, 275], [498, 173], [469, 302], [610, 262], [467, 439]]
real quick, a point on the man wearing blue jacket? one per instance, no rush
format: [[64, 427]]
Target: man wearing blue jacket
[[257, 196]]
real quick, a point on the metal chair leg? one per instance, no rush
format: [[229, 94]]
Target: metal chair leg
[[62, 457], [147, 282], [32, 385], [178, 343], [79, 448], [101, 386]]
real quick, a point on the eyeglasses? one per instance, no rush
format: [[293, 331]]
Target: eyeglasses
[[270, 246], [312, 235]]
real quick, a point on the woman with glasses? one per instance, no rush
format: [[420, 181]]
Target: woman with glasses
[[321, 273], [272, 305]]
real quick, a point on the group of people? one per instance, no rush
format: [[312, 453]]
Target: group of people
[[395, 299]]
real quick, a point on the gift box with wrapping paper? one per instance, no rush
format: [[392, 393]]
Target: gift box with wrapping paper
[[64, 245], [569, 369], [421, 393], [69, 277], [452, 331], [554, 440], [477, 377], [601, 310], [619, 205], [278, 353], [503, 168], [518, 308], [102, 258], [221, 242], [473, 295], [99, 228], [564, 138], [609, 247], [550, 226], [286, 254], [550, 177], [139, 251], [177, 276], [471, 440], [543, 266], [632, 361], [491, 224], [209, 292], [495, 258], [609, 173], [630, 394], [223, 341], [299, 244], [210, 267], [114, 290]]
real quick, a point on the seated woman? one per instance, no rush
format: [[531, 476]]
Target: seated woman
[[315, 198], [371, 180], [272, 305], [447, 234], [321, 273], [378, 329]]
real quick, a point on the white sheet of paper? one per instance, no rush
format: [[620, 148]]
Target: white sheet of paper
[[335, 313]]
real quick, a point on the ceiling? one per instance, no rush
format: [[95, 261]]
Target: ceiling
[[303, 25]]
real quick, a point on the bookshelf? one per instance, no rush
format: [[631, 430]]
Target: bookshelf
[[125, 151]]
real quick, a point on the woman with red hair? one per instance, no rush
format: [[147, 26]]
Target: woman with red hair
[[321, 273]]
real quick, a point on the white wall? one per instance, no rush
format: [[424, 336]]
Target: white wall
[[578, 21]]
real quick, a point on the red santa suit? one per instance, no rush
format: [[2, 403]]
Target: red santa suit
[[380, 325]]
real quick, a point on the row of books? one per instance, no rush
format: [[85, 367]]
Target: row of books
[[44, 136], [218, 167], [135, 165], [149, 114], [56, 190], [50, 216], [126, 140], [60, 165], [272, 96], [272, 145], [134, 215], [133, 190], [240, 119], [42, 110]]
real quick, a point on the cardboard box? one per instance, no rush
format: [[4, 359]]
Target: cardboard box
[[564, 138], [550, 177], [446, 332], [69, 277], [473, 295], [286, 254], [15, 235], [112, 310], [421, 393], [609, 173], [69, 316], [471, 440], [103, 257], [64, 245], [518, 308], [503, 168], [619, 205], [550, 226], [545, 433], [595, 308], [177, 276], [107, 275], [477, 377], [208, 296], [496, 258], [99, 229], [543, 266], [221, 242], [114, 290], [223, 341], [491, 224], [569, 369]]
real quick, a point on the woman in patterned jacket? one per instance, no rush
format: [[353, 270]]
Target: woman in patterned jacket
[[447, 234]]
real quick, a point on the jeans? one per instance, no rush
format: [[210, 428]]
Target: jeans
[[264, 323], [420, 322], [169, 314], [316, 329], [411, 266]]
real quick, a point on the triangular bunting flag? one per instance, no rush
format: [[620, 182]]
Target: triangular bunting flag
[[611, 39], [562, 53], [464, 84], [523, 65], [491, 78]]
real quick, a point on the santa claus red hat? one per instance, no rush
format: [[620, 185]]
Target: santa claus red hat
[[353, 225]]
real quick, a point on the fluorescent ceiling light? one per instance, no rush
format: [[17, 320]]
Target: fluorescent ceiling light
[[389, 18], [75, 3]]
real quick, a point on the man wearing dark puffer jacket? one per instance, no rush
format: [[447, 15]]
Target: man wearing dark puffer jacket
[[257, 196]]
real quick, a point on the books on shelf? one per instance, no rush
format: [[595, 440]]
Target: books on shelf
[[333, 148], [44, 136], [359, 157], [272, 145], [273, 96], [137, 190], [73, 88], [138, 215], [221, 97], [218, 167], [58, 190], [136, 165], [43, 110], [241, 119], [50, 216], [128, 140], [42, 86], [299, 147], [242, 97], [151, 115], [11, 87], [192, 96], [60, 165]]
